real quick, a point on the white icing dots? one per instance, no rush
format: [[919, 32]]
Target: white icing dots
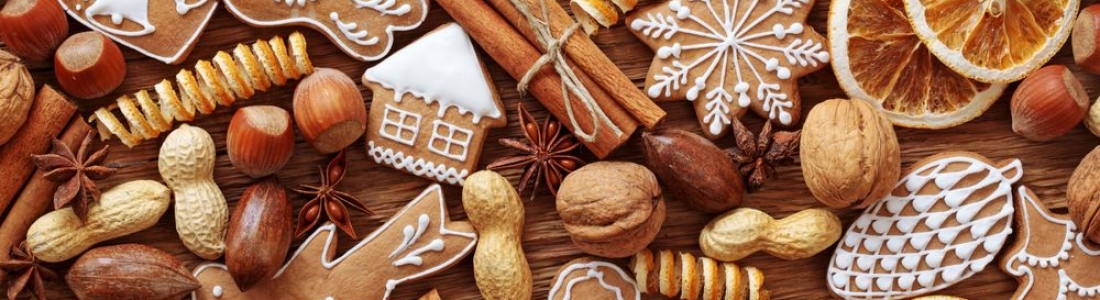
[[216, 291], [939, 219]]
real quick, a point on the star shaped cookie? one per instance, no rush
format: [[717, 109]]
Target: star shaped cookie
[[727, 55]]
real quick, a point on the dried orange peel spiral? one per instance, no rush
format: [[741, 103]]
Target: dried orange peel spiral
[[228, 78]]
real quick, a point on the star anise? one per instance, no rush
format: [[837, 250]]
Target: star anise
[[326, 199], [760, 155], [23, 269], [546, 153], [75, 173]]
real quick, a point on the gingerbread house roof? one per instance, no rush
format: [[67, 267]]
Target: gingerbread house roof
[[440, 67]]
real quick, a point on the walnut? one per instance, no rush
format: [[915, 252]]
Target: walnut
[[850, 155], [1083, 195], [16, 95], [611, 209]]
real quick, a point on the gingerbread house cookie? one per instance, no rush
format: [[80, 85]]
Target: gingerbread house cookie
[[432, 108], [165, 30], [944, 222], [417, 242], [361, 28]]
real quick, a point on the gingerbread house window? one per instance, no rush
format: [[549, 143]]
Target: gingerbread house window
[[450, 140], [399, 125]]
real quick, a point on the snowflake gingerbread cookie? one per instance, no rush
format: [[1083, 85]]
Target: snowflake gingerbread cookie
[[417, 242], [728, 55], [943, 222], [1051, 259]]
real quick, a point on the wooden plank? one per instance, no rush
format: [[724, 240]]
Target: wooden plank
[[1047, 165]]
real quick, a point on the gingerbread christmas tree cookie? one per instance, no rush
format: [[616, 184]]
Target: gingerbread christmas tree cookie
[[433, 105], [417, 242], [165, 30], [361, 28], [727, 55], [1051, 259]]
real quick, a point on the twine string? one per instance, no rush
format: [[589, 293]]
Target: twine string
[[570, 83]]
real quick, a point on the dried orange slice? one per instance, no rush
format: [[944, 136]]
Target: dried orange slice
[[993, 40], [877, 58]]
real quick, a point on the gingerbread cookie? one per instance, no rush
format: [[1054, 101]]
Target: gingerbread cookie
[[586, 278], [412, 126], [1051, 258], [419, 241], [361, 28], [165, 30], [943, 222], [727, 55]]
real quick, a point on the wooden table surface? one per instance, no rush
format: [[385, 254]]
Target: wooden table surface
[[1047, 165]]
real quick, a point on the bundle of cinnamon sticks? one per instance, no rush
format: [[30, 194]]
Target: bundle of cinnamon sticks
[[505, 34]]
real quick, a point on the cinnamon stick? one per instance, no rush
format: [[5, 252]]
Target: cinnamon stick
[[588, 57], [45, 121], [509, 49], [37, 197]]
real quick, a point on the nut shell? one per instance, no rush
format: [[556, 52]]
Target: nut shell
[[129, 271], [1048, 104], [741, 232], [329, 110], [260, 140], [260, 231], [32, 29], [1083, 195], [694, 170], [16, 95], [611, 209], [850, 154], [89, 65]]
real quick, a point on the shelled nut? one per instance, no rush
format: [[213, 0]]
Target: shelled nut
[[329, 110], [260, 140]]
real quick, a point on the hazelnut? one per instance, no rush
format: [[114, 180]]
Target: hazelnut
[[1086, 30], [850, 155], [89, 65], [1083, 195], [16, 95], [329, 110], [260, 140], [611, 209], [1048, 104], [32, 29]]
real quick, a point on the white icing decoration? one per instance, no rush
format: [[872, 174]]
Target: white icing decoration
[[412, 234], [320, 24], [357, 37], [456, 137], [442, 68], [592, 272], [292, 3], [386, 7], [330, 230], [398, 121], [417, 166], [413, 258], [182, 7], [92, 23], [725, 48], [217, 291], [1029, 261], [136, 11], [877, 266]]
